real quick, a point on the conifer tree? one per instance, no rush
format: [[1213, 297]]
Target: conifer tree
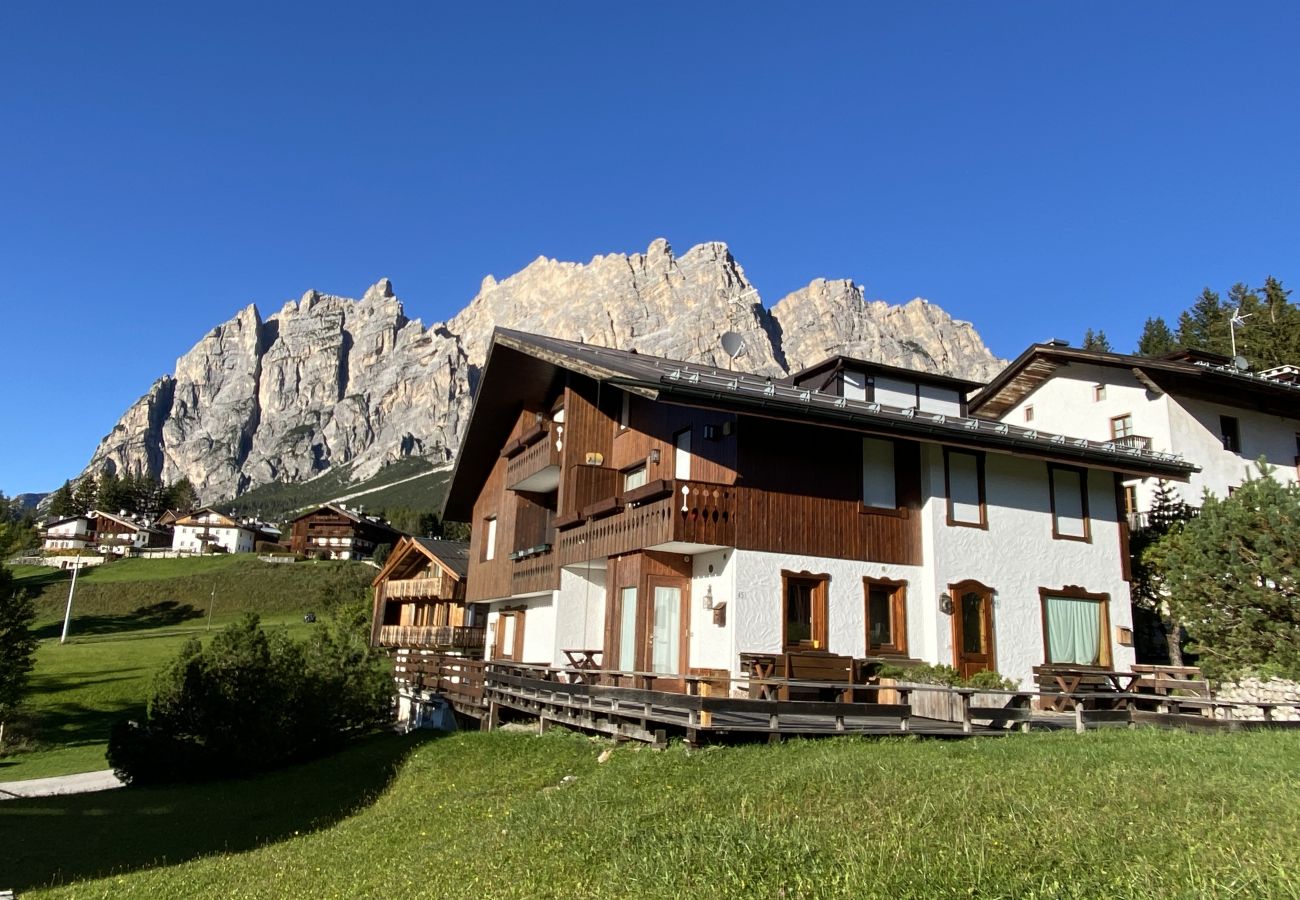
[[1096, 340], [1205, 325], [17, 646], [62, 503], [1156, 338], [1232, 577]]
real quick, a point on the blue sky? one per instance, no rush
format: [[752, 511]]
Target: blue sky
[[1034, 168]]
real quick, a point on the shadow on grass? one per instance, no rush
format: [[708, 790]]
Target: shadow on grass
[[58, 840], [156, 615]]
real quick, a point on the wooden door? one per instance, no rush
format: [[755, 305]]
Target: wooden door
[[972, 628], [663, 625]]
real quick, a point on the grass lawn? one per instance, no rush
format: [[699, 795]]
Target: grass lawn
[[1109, 813], [129, 619]]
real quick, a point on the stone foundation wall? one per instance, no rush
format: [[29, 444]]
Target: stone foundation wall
[[1255, 690]]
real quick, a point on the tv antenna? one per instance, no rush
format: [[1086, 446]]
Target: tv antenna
[[734, 346], [1237, 321]]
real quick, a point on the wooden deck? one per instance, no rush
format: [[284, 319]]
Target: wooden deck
[[626, 706]]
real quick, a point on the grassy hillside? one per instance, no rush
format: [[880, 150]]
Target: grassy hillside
[[279, 500], [129, 620], [1118, 813]]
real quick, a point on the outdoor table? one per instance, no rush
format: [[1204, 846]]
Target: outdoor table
[[760, 667], [1068, 680], [581, 662]]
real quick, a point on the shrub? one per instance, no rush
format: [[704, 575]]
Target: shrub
[[252, 701], [938, 673]]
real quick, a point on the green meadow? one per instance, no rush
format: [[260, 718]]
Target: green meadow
[[1109, 813]]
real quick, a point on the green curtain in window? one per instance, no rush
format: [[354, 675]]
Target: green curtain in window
[[1073, 631]]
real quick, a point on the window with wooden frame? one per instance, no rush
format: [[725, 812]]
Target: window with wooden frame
[[510, 635], [1029, 414], [1068, 487], [635, 477], [803, 610], [886, 616], [490, 538], [879, 478], [1121, 426], [1098, 393], [963, 476], [1076, 627]]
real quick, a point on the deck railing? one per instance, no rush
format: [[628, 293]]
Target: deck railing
[[416, 588], [534, 457], [432, 636], [676, 510]]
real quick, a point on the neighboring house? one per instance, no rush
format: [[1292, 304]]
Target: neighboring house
[[339, 532], [120, 534], [71, 533], [420, 598], [670, 517], [1193, 404], [206, 530]]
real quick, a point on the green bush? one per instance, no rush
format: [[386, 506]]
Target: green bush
[[941, 674], [251, 701]]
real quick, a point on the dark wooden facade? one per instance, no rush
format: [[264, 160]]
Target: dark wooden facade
[[340, 533], [608, 482], [419, 599]]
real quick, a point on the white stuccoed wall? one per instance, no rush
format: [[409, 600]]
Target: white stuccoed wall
[[1016, 556], [1064, 404], [580, 612], [712, 645], [539, 626]]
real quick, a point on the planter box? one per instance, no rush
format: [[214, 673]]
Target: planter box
[[941, 705]]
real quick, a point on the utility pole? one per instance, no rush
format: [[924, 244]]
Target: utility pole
[[212, 601], [67, 615]]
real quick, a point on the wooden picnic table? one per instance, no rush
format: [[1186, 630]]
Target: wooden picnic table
[[761, 668], [1063, 687], [582, 664]]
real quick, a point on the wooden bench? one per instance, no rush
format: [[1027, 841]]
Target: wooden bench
[[821, 666], [1171, 680]]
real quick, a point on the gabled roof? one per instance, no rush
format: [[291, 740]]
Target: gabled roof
[[191, 520], [1183, 373], [834, 364], [349, 514], [524, 370], [452, 556]]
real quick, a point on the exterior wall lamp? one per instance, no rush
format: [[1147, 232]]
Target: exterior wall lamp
[[945, 603], [654, 456]]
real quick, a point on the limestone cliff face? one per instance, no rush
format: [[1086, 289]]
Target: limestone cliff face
[[330, 381]]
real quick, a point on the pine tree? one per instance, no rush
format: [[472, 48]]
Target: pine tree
[[1096, 340], [62, 503], [1205, 325], [17, 646], [1167, 513], [84, 495], [1232, 576], [1156, 339]]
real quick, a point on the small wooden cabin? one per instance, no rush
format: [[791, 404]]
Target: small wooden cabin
[[420, 599]]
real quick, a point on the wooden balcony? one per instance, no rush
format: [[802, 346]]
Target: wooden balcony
[[534, 463], [657, 513], [533, 573], [1135, 441], [433, 588], [463, 637]]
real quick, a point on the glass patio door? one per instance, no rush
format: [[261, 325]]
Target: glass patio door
[[665, 636]]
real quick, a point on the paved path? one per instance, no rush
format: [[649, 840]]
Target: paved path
[[83, 783]]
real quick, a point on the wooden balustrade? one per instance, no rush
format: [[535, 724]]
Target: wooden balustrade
[[693, 511], [432, 636], [534, 573], [535, 457], [417, 588]]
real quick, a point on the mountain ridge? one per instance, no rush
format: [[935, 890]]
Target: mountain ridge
[[329, 381]]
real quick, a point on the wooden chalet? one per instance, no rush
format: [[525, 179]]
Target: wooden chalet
[[340, 533], [642, 515], [420, 599]]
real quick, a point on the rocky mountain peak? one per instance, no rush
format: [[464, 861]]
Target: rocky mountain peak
[[330, 381]]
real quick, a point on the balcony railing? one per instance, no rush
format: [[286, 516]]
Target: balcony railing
[[534, 463], [465, 637], [691, 511], [1136, 441], [1140, 520], [417, 588]]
